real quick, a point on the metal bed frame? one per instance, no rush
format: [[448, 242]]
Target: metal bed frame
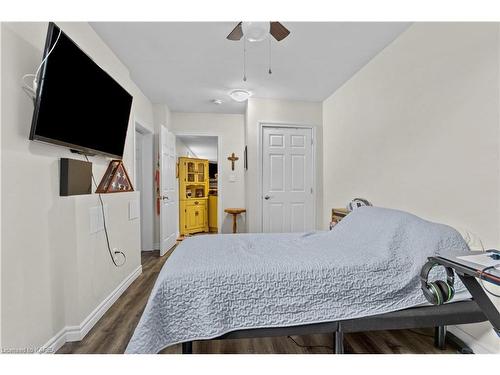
[[439, 317], [468, 273]]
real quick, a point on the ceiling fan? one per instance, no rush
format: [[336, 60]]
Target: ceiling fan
[[258, 31]]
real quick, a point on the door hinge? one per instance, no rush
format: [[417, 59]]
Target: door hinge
[[311, 190], [312, 141]]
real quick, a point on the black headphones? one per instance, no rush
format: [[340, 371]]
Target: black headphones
[[439, 291]]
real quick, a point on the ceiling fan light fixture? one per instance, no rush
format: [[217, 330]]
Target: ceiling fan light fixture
[[256, 31], [240, 95]]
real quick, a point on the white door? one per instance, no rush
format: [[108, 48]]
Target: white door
[[287, 180], [169, 212]]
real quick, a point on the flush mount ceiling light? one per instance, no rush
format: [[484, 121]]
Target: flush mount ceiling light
[[239, 95]]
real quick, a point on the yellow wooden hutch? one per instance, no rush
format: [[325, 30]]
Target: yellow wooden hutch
[[193, 195]]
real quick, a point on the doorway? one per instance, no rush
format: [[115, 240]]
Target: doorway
[[288, 191], [199, 194], [144, 176]]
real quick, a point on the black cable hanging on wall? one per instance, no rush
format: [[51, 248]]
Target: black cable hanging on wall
[[270, 71], [244, 60], [111, 253]]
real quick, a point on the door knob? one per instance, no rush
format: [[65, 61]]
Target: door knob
[[164, 197], [267, 197]]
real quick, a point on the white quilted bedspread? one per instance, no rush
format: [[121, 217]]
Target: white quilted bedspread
[[368, 264]]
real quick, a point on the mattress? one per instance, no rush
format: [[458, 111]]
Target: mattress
[[368, 265]]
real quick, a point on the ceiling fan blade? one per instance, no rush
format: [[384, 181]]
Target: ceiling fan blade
[[236, 34], [279, 31]]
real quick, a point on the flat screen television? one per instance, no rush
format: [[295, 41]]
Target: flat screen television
[[78, 105]]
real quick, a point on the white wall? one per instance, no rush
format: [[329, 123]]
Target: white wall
[[418, 129], [54, 272], [162, 116], [182, 150], [144, 183], [286, 112], [230, 130]]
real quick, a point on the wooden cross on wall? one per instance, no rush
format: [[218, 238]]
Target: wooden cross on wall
[[232, 158]]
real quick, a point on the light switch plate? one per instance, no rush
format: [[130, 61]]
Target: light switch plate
[[232, 177], [133, 209], [96, 219]]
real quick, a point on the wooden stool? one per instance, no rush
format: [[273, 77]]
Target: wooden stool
[[235, 212]]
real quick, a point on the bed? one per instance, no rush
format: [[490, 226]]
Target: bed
[[252, 285]]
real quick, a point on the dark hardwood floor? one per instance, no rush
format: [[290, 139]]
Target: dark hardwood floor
[[113, 331]]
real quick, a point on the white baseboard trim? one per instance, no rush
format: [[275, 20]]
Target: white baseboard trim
[[54, 343], [472, 342], [77, 333]]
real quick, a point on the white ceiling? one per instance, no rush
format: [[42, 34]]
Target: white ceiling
[[204, 147], [187, 64]]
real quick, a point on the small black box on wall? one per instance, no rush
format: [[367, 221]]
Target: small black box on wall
[[75, 177]]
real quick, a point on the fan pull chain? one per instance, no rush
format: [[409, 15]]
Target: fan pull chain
[[270, 70], [244, 60]]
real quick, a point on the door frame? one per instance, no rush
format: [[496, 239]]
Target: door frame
[[147, 133], [289, 125], [219, 158]]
